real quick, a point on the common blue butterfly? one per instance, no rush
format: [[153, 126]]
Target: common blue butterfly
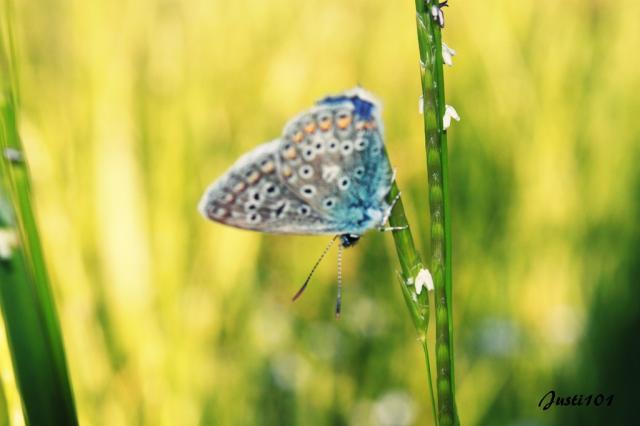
[[328, 173]]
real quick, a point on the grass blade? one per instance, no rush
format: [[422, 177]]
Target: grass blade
[[28, 309]]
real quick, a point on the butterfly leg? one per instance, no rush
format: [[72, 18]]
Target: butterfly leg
[[388, 213], [392, 228], [390, 208]]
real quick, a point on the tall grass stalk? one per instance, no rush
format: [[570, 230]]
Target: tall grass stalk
[[432, 79], [28, 309], [410, 265]]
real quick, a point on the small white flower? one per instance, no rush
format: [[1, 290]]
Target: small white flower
[[437, 14], [435, 10], [421, 105], [424, 279], [447, 54], [449, 113], [8, 240]]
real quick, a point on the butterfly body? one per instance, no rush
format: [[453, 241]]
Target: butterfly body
[[328, 173]]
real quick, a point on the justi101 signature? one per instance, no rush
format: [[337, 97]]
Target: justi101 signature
[[550, 398]]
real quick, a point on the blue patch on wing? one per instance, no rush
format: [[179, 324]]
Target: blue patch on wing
[[363, 108]]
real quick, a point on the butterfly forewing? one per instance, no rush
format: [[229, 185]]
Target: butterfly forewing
[[252, 196], [332, 156]]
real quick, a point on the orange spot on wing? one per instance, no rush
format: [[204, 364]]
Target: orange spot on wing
[[298, 137], [310, 127], [290, 153], [253, 177], [268, 167], [344, 122], [325, 124]]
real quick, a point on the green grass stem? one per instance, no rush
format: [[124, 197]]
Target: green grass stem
[[410, 265], [432, 80], [28, 308]]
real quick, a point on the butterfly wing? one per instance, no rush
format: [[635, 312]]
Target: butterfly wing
[[250, 195], [333, 158], [328, 174]]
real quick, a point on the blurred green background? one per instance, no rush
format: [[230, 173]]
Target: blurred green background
[[130, 108]]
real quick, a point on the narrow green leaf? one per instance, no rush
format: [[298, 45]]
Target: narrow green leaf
[[28, 309]]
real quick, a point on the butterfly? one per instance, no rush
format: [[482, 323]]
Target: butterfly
[[328, 173]]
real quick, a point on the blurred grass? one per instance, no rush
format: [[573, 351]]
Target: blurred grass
[[129, 109], [28, 309]]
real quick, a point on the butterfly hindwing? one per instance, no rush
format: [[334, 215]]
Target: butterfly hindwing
[[332, 156]]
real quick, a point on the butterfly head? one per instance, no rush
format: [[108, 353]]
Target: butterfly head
[[349, 240]]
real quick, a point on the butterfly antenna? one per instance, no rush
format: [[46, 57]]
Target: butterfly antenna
[[324, 253], [339, 298]]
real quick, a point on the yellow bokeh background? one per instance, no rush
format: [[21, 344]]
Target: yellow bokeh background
[[129, 109]]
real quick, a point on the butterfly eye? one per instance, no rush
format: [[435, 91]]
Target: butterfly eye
[[308, 191], [343, 183], [359, 172], [306, 171], [346, 147], [361, 144], [329, 203], [304, 210], [333, 145]]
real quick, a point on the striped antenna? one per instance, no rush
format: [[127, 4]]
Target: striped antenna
[[324, 253], [339, 298]]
